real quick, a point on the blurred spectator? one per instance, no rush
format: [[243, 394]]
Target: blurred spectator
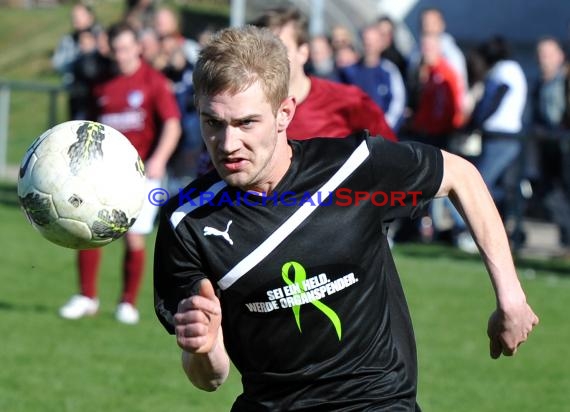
[[321, 59], [432, 22], [91, 66], [139, 13], [386, 29], [551, 96], [341, 37], [83, 39], [550, 104], [476, 72], [324, 108], [378, 77], [438, 113], [150, 45], [205, 35], [166, 25], [173, 63], [175, 60], [171, 58], [136, 101], [499, 116], [466, 142], [345, 56], [437, 116]]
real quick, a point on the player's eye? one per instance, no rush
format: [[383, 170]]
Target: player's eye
[[213, 123], [247, 123]]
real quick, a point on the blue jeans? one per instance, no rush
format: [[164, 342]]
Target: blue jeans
[[459, 223], [499, 152], [443, 205]]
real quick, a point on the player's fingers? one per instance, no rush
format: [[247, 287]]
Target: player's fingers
[[495, 347], [194, 338], [192, 344], [197, 302], [191, 331], [511, 341], [207, 290], [508, 351], [190, 317]]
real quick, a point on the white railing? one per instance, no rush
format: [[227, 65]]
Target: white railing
[[6, 88]]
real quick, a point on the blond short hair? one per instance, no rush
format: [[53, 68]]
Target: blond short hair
[[236, 58]]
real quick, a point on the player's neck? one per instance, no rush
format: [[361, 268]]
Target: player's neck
[[131, 69], [300, 87], [371, 60]]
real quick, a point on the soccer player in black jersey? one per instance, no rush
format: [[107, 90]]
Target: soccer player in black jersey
[[278, 259]]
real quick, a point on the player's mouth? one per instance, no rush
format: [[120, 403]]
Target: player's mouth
[[233, 164]]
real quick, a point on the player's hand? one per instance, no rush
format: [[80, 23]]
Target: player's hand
[[154, 168], [509, 328], [197, 322]]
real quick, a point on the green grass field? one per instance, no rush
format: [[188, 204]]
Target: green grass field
[[96, 364]]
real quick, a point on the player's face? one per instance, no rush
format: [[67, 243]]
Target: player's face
[[245, 139], [431, 49], [432, 23], [373, 42], [126, 52], [81, 18], [550, 57]]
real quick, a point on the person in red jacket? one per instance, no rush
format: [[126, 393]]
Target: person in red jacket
[[138, 102], [439, 110]]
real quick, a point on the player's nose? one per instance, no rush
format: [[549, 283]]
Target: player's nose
[[230, 141]]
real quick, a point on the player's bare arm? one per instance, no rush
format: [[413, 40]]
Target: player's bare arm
[[199, 334], [513, 319], [156, 164]]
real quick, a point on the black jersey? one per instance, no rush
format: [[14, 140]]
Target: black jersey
[[313, 312]]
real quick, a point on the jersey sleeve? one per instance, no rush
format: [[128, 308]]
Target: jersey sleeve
[[177, 270], [410, 174], [166, 105], [366, 114]]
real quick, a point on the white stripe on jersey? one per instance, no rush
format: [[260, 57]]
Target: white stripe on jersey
[[275, 239], [186, 208]]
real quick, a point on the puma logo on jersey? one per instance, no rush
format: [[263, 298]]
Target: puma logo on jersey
[[208, 230]]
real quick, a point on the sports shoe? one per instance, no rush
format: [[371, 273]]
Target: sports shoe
[[79, 306], [127, 313], [466, 243]]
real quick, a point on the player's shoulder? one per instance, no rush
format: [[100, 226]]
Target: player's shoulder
[[336, 90], [361, 148], [389, 66], [152, 76], [328, 148], [401, 155], [149, 70]]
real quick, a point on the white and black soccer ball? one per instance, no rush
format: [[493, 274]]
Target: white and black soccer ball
[[81, 184]]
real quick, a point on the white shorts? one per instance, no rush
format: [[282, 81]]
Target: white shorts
[[145, 222]]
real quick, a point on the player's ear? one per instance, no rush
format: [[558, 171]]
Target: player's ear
[[304, 53], [285, 113]]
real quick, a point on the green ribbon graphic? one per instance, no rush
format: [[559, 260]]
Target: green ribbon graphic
[[299, 276]]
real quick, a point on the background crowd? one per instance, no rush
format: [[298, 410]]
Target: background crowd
[[475, 102]]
